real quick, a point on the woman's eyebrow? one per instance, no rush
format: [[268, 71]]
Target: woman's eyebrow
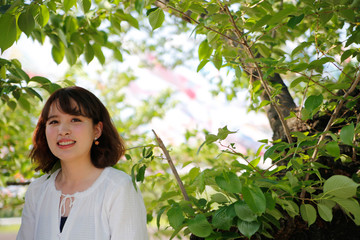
[[52, 116]]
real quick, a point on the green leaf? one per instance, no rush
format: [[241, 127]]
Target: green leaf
[[175, 216], [16, 93], [308, 213], [325, 17], [219, 198], [52, 87], [263, 50], [156, 18], [89, 53], [223, 218], [17, 71], [273, 149], [299, 68], [3, 72], [325, 212], [254, 198], [70, 55], [85, 5], [128, 18], [340, 186], [11, 104], [8, 29], [260, 23], [244, 212], [24, 103], [197, 8], [275, 213], [32, 92], [347, 54], [118, 55], [41, 80], [313, 102], [201, 65], [58, 53], [291, 208], [210, 138], [139, 5], [68, 4], [347, 134], [199, 226], [348, 14], [212, 37], [295, 20], [282, 14], [141, 173], [160, 212], [350, 205], [270, 201], [193, 173], [333, 149], [98, 53], [26, 22], [300, 47], [43, 16], [205, 50], [292, 179], [223, 133], [248, 228], [217, 60], [319, 62], [230, 183], [256, 161], [298, 80]]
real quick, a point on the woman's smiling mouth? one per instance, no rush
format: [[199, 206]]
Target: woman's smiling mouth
[[66, 143]]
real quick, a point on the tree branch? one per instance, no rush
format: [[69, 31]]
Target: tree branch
[[172, 166]]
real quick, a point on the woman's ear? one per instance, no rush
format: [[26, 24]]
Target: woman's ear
[[98, 129]]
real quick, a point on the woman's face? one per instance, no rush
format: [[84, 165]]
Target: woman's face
[[70, 137]]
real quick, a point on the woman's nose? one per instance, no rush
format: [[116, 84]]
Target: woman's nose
[[64, 129]]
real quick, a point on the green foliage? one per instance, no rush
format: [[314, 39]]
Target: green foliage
[[250, 201]]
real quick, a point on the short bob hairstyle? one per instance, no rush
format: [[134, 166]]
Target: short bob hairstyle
[[111, 146]]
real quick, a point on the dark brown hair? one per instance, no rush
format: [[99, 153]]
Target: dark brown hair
[[111, 146]]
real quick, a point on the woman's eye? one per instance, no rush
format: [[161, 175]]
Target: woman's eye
[[52, 122], [76, 120]]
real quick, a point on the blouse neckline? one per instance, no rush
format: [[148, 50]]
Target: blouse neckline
[[84, 193]]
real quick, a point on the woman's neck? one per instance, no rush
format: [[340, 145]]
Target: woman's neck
[[73, 178]]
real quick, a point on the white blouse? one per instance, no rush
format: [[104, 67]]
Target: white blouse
[[110, 209]]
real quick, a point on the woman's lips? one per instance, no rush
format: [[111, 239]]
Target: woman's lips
[[66, 143]]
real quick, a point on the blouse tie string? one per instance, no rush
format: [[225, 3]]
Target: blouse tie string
[[63, 202]]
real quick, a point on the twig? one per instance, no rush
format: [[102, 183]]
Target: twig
[[239, 154], [173, 169]]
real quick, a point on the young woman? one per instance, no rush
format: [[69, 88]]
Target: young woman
[[85, 198]]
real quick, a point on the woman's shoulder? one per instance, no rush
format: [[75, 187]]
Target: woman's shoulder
[[40, 182], [119, 185], [116, 175]]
